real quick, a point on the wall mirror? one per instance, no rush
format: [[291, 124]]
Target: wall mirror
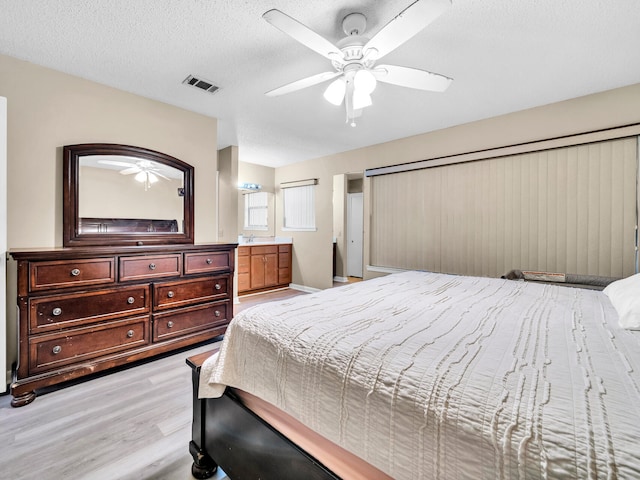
[[125, 195]]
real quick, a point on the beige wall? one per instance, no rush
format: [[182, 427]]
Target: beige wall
[[101, 196], [49, 109], [228, 198], [313, 250]]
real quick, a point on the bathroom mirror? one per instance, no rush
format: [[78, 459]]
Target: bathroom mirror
[[124, 195]]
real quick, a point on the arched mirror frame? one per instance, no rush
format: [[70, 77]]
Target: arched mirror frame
[[73, 237]]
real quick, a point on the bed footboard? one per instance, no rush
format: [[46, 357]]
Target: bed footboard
[[226, 433], [203, 465]]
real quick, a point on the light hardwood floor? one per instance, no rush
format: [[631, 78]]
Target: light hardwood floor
[[132, 424]]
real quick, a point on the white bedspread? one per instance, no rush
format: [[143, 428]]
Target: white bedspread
[[432, 376]]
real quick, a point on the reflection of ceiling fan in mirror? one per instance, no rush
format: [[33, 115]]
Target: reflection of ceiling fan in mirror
[[146, 172]]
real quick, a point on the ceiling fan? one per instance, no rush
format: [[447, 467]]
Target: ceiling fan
[[354, 57], [146, 171]]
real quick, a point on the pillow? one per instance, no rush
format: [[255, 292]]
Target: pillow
[[625, 298]]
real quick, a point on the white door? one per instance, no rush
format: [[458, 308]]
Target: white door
[[355, 223]]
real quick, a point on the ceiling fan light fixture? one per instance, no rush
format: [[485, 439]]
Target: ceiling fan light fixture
[[152, 177], [364, 81], [361, 99], [334, 93], [141, 176]]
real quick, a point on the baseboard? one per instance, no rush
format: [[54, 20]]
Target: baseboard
[[303, 288], [340, 279]]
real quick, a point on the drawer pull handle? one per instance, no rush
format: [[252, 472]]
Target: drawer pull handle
[[216, 313], [130, 334], [169, 324], [218, 287], [130, 300], [209, 261], [170, 294], [57, 311], [152, 266], [75, 272], [57, 349]]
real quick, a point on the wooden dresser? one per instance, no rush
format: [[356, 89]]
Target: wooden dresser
[[85, 310], [263, 267]]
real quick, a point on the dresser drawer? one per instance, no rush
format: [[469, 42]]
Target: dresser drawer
[[72, 310], [207, 262], [190, 320], [71, 273], [181, 293], [151, 266], [51, 351]]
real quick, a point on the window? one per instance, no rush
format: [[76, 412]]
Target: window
[[256, 209], [299, 208]]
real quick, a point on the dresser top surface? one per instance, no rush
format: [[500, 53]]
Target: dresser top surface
[[93, 252]]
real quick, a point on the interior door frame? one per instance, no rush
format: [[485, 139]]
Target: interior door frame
[[355, 242]]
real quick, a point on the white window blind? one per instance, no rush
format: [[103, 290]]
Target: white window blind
[[299, 208], [256, 208], [566, 210]]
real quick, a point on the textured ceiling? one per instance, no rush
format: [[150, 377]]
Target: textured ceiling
[[504, 56]]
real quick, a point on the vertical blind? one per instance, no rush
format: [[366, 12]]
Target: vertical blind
[[569, 210], [299, 208]]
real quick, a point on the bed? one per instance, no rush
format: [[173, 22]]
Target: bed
[[420, 375]]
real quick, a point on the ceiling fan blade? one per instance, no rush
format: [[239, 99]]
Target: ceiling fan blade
[[303, 83], [303, 34], [156, 172], [404, 26], [412, 78], [129, 171]]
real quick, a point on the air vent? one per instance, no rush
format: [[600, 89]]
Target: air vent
[[200, 83]]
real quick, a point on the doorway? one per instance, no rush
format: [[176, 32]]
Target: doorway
[[355, 224]]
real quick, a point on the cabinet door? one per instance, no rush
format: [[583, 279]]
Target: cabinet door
[[257, 271], [271, 269]]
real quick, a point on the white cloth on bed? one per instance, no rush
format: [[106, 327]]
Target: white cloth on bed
[[433, 376]]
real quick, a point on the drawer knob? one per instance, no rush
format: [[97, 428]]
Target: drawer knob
[[130, 300], [170, 294], [75, 272], [152, 266], [169, 324], [218, 287], [130, 333], [57, 311], [216, 313], [209, 261], [57, 349]]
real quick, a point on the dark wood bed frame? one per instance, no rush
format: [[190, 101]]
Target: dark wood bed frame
[[225, 433]]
